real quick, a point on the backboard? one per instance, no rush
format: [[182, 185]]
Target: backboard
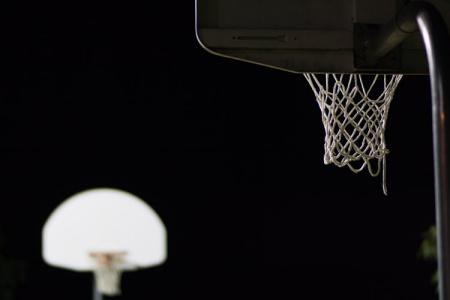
[[103, 220], [308, 36]]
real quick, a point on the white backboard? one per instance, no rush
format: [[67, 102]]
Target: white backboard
[[103, 220]]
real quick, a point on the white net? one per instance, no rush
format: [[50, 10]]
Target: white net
[[107, 280], [108, 268], [354, 119]]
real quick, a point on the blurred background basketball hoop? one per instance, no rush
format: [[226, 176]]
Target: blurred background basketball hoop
[[104, 231]]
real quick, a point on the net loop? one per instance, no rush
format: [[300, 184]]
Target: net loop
[[354, 120]]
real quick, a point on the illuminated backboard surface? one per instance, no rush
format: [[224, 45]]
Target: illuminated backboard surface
[[103, 220], [303, 36]]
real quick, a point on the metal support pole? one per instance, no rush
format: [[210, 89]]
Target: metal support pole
[[428, 20], [437, 44], [96, 294]]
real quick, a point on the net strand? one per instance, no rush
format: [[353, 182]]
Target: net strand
[[354, 122]]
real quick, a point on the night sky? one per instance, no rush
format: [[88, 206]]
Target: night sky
[[229, 154]]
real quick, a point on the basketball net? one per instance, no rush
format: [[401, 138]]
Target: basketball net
[[108, 268], [354, 121]]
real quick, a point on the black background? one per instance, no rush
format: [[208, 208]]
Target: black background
[[229, 154]]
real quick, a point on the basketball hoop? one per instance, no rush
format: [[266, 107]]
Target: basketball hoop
[[90, 231], [108, 268], [354, 121]]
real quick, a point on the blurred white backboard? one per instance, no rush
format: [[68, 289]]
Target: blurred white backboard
[[303, 36], [103, 220]]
